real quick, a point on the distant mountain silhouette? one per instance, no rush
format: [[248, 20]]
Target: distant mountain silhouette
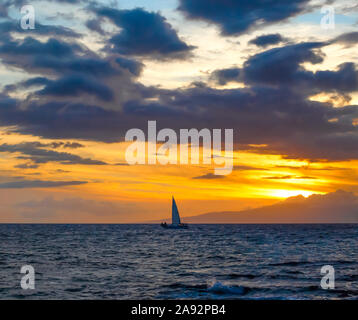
[[335, 207]]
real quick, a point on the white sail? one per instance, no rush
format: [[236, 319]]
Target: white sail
[[175, 214]]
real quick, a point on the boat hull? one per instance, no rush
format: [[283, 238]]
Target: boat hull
[[170, 226]]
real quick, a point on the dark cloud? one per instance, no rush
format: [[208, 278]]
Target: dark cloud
[[54, 56], [287, 121], [54, 144], [70, 145], [122, 164], [10, 26], [86, 65], [95, 25], [144, 33], [62, 119], [132, 66], [288, 177], [281, 120], [68, 69], [73, 85], [283, 67], [244, 167], [273, 110], [236, 17], [27, 166], [31, 46], [35, 152], [223, 76], [48, 63], [29, 184], [267, 39], [209, 176], [344, 80], [347, 39]]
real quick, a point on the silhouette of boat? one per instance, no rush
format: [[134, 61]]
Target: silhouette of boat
[[176, 224]]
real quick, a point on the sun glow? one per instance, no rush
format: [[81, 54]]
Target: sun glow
[[291, 193]]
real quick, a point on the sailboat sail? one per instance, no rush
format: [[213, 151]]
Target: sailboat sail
[[175, 213]]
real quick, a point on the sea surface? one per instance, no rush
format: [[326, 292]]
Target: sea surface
[[202, 262]]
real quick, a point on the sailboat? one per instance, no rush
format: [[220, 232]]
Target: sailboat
[[176, 224]]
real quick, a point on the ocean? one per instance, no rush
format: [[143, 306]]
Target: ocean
[[202, 262]]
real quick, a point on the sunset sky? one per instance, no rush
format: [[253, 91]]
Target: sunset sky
[[91, 70]]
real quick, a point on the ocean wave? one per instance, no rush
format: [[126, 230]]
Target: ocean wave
[[186, 286], [299, 263], [248, 276], [220, 288], [289, 263]]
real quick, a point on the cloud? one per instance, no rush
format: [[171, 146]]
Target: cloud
[[86, 65], [133, 66], [288, 177], [267, 39], [237, 17], [72, 85], [283, 66], [244, 167], [285, 121], [122, 164], [29, 184], [209, 176], [69, 69], [34, 151], [22, 2], [273, 109], [344, 80], [52, 120], [49, 30], [53, 55], [26, 166], [144, 33], [95, 25], [348, 39], [70, 145], [223, 76], [278, 177], [31, 46], [54, 144]]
